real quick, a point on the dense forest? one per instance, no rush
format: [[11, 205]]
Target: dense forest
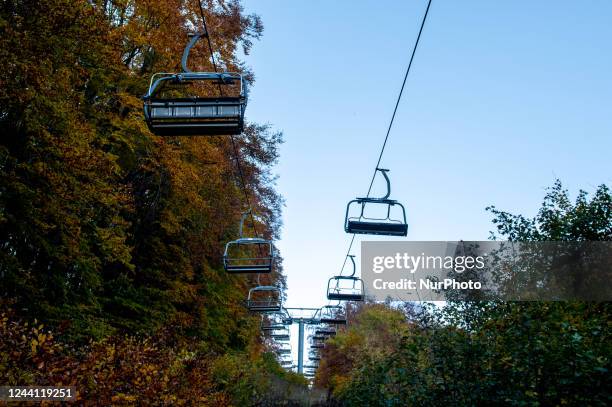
[[111, 243], [112, 237]]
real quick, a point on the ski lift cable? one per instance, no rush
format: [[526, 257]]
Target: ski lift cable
[[237, 157], [384, 145], [212, 54]]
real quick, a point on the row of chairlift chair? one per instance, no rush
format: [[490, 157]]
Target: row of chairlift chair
[[275, 326], [253, 255], [212, 103], [329, 318]]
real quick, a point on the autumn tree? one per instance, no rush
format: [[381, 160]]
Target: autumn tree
[[486, 352], [105, 227]]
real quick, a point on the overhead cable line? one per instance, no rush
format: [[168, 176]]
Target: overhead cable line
[[234, 147], [384, 145]]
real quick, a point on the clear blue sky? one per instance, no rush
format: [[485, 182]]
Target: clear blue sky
[[503, 97]]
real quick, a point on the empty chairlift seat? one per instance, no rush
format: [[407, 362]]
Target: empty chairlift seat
[[325, 332], [248, 254], [275, 321], [191, 114], [264, 298], [391, 221], [195, 103], [346, 288], [283, 349], [281, 334], [332, 314], [272, 324], [269, 328]]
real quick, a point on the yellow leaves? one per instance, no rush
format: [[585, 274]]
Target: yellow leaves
[[121, 397]]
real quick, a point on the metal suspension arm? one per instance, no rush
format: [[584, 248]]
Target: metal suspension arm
[[352, 257], [242, 219], [384, 173], [194, 38]]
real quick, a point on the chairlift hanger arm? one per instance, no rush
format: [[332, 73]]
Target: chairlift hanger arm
[[194, 38], [242, 219], [384, 198], [399, 97], [352, 257], [384, 173]]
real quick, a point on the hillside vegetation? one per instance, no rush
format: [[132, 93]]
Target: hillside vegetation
[[111, 236], [482, 353]]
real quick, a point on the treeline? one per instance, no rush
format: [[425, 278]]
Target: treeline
[[481, 353], [105, 229]]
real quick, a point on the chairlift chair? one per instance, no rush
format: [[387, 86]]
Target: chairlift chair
[[283, 349], [188, 114], [332, 314], [268, 328], [337, 292], [346, 288], [325, 332], [362, 224], [248, 254], [281, 334], [264, 298], [276, 321]]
